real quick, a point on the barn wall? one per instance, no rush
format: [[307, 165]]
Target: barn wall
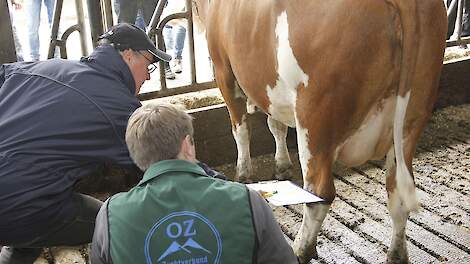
[[454, 88], [215, 144]]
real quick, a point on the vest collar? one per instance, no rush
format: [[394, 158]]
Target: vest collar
[[174, 165]]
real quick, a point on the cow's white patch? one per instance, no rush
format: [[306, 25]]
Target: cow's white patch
[[304, 151], [242, 139], [376, 127], [238, 91], [290, 75], [250, 107], [405, 184]]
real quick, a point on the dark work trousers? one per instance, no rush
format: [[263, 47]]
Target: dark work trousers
[[77, 231], [128, 10]]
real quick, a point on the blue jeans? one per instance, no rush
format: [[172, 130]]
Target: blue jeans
[[33, 19], [174, 39]]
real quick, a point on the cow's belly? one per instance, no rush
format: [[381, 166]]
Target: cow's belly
[[281, 110], [373, 138]]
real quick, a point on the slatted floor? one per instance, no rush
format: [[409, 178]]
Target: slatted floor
[[358, 227]]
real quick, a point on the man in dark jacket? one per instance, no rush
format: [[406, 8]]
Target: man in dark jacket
[[60, 121], [177, 213]]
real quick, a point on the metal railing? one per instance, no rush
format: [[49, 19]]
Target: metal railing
[[155, 30], [100, 19], [100, 15], [61, 43]]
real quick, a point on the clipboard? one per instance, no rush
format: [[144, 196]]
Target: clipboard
[[279, 193]]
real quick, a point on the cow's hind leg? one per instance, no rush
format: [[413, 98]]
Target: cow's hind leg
[[397, 252], [236, 105], [283, 161]]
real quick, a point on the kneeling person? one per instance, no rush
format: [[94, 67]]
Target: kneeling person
[[177, 213]]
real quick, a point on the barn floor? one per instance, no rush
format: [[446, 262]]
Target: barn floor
[[358, 228]]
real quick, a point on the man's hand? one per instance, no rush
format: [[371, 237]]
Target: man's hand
[[212, 173]]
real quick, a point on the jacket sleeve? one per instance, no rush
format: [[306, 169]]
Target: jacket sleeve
[[272, 246], [100, 251]]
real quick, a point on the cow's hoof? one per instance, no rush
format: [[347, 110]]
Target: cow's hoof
[[284, 172], [245, 180], [304, 252], [242, 179], [306, 259], [397, 257]]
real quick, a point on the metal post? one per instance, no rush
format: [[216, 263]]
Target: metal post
[[107, 14], [55, 30], [7, 42], [81, 26], [155, 31], [189, 20], [96, 20]]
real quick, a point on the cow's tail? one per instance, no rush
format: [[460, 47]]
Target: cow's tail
[[408, 18]]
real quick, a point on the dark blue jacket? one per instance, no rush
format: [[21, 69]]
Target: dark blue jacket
[[59, 121]]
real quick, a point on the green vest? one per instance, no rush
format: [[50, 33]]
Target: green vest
[[178, 215]]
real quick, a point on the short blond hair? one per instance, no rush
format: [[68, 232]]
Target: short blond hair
[[155, 132]]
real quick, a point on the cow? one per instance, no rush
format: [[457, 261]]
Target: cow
[[357, 79]]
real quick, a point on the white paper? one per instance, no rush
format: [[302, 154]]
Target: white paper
[[287, 193]]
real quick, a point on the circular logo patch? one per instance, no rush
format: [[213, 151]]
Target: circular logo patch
[[183, 237]]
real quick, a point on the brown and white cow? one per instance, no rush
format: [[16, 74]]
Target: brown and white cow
[[358, 80]]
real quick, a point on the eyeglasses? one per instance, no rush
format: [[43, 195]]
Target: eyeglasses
[[151, 68]]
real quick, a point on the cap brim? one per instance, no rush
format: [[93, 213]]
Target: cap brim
[[160, 55]]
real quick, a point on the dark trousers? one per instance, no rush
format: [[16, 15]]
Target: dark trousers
[[77, 231], [128, 10]]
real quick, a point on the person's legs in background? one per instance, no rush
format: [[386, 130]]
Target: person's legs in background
[[18, 49], [50, 4], [77, 231], [33, 20], [170, 47], [127, 11], [180, 36], [33, 12], [139, 21]]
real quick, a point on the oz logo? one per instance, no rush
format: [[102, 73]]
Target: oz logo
[[183, 237]]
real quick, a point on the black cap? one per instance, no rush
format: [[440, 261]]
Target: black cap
[[127, 36]]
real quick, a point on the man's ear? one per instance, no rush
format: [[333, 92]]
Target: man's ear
[[127, 55], [187, 151]]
